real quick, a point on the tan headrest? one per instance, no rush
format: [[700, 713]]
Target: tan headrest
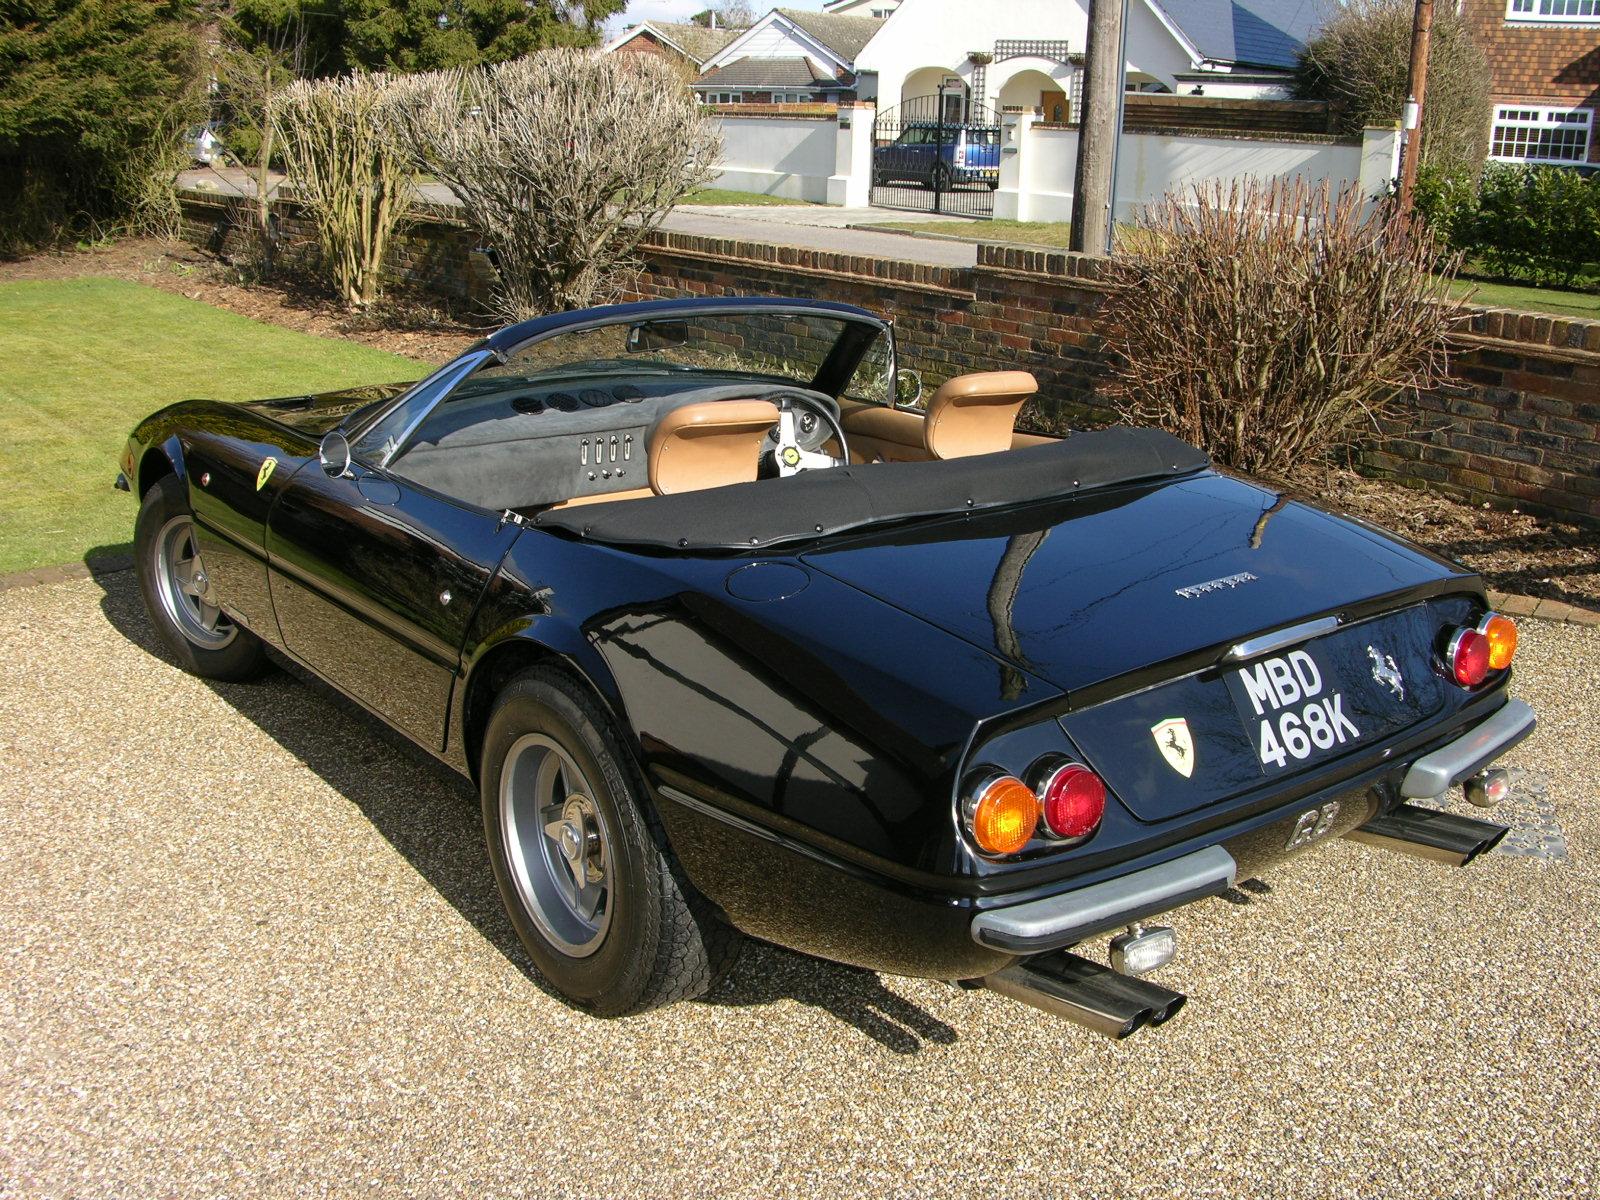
[[975, 414], [709, 445]]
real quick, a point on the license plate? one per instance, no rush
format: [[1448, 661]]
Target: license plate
[[1294, 710]]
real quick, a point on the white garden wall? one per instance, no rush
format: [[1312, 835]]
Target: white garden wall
[[786, 156], [1039, 165]]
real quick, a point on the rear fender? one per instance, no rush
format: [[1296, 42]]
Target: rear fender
[[532, 640]]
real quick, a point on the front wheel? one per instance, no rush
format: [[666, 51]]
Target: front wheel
[[584, 870], [179, 595]]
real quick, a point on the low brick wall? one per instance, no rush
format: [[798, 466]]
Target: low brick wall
[[1519, 423]]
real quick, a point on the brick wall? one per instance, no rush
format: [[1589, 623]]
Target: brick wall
[[1520, 422], [1540, 62]]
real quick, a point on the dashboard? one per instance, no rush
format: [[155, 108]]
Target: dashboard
[[507, 443]]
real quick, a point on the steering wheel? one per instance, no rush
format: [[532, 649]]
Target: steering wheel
[[789, 454]]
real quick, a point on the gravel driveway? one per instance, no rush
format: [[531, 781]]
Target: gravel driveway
[[252, 948]]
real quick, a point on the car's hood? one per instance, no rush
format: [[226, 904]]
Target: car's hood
[[321, 411], [1081, 591]]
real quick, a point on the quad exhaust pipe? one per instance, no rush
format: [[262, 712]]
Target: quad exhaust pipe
[[1430, 834], [1093, 996]]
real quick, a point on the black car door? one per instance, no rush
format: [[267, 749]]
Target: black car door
[[374, 581]]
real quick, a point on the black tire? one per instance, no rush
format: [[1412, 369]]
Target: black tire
[[229, 651], [939, 178], [662, 942]]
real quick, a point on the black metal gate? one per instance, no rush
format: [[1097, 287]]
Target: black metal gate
[[938, 153]]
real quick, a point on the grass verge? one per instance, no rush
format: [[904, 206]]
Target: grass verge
[[1531, 299], [1055, 234], [729, 196], [83, 360]]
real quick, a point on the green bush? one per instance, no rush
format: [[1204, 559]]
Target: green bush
[[1540, 224]]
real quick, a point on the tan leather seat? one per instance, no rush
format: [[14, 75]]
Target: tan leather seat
[[975, 414], [709, 445]]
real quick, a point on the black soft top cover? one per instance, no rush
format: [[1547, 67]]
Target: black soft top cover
[[821, 503]]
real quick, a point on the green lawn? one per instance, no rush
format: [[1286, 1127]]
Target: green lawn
[[728, 196], [1531, 299], [82, 361]]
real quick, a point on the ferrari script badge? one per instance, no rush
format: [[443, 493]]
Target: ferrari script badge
[[1176, 744], [265, 473]]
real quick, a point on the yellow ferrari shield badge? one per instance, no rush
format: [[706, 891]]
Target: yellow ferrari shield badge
[[265, 473]]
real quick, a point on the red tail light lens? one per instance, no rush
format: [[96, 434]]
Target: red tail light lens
[[1073, 799], [1468, 657]]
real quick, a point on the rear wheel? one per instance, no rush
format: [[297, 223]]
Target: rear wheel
[[591, 887], [178, 593]]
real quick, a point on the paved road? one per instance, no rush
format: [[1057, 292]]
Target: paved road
[[251, 948], [809, 226]]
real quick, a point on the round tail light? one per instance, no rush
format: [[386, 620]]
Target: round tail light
[[1502, 634], [1003, 815], [1468, 657], [1073, 799]]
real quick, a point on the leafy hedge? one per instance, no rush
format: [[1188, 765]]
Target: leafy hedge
[[94, 98], [1535, 223]]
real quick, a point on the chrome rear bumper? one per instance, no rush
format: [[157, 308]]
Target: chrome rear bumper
[[1434, 774], [1065, 920]]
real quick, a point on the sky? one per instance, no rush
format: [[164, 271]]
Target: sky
[[682, 10]]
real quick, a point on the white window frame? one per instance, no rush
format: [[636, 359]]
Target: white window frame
[[724, 98], [1570, 12], [1540, 118]]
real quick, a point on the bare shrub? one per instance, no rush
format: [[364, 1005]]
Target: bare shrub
[[348, 166], [1359, 60], [1269, 323], [563, 162]]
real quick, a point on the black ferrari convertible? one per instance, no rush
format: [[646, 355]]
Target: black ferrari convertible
[[738, 633]]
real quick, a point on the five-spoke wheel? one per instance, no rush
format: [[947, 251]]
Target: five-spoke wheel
[[590, 885], [179, 593], [558, 847]]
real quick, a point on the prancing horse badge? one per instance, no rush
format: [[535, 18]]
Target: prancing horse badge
[[1175, 743], [265, 473]]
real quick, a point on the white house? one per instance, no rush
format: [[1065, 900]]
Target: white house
[[1028, 53], [789, 55]]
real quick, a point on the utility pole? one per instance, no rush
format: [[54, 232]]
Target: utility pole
[[1416, 89], [1097, 129]]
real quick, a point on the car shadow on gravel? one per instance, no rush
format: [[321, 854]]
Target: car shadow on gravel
[[431, 816]]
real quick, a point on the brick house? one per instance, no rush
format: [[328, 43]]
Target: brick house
[[689, 44], [789, 56], [1545, 59]]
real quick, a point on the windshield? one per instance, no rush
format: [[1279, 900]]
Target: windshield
[[630, 361]]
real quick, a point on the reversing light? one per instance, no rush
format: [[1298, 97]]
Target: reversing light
[[1502, 634], [1072, 799], [1002, 814], [1468, 657]]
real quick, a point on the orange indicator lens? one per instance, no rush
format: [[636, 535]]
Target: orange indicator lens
[[1005, 816], [1502, 634]]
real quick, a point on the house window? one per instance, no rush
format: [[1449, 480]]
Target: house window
[[1581, 12], [1535, 135], [724, 97]]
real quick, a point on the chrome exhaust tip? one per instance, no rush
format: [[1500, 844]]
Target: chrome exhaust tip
[[1430, 834], [1088, 994]]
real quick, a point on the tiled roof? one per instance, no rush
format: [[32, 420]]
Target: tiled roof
[[698, 42], [767, 72], [1257, 33], [845, 36]]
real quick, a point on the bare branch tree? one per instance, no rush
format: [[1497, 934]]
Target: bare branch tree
[[563, 161], [251, 79], [348, 166], [1270, 323]]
